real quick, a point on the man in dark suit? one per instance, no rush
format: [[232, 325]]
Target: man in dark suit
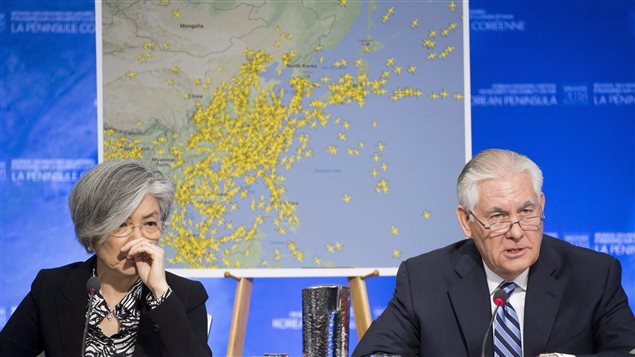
[[561, 298]]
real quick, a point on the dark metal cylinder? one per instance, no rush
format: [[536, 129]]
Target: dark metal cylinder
[[325, 321]]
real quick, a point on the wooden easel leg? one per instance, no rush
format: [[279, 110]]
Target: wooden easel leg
[[239, 316], [361, 308]]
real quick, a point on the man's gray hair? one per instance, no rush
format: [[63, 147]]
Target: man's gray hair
[[493, 164], [109, 193]]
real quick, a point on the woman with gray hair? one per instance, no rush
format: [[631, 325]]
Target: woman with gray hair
[[135, 307]]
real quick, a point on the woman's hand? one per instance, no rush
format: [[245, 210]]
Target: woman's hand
[[148, 258]]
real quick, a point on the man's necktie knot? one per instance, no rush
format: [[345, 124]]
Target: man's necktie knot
[[508, 286]]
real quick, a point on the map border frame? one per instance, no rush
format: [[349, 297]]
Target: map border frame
[[287, 272]]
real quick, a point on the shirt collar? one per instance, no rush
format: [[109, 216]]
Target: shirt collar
[[130, 302], [493, 280]]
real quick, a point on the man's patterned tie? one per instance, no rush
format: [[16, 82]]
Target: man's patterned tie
[[507, 328]]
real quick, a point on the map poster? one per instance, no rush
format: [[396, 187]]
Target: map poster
[[303, 136]]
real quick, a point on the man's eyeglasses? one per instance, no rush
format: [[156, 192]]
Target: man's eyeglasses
[[150, 230], [526, 224]]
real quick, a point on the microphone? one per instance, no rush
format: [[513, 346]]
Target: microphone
[[92, 287], [500, 297]]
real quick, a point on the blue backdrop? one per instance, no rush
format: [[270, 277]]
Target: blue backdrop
[[553, 80]]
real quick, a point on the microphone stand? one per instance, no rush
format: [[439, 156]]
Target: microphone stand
[[92, 286], [500, 297]]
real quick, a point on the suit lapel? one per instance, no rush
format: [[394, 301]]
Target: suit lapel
[[146, 339], [469, 297], [544, 293], [71, 309]]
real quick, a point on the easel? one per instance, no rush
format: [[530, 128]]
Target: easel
[[359, 297], [361, 308], [239, 316]]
